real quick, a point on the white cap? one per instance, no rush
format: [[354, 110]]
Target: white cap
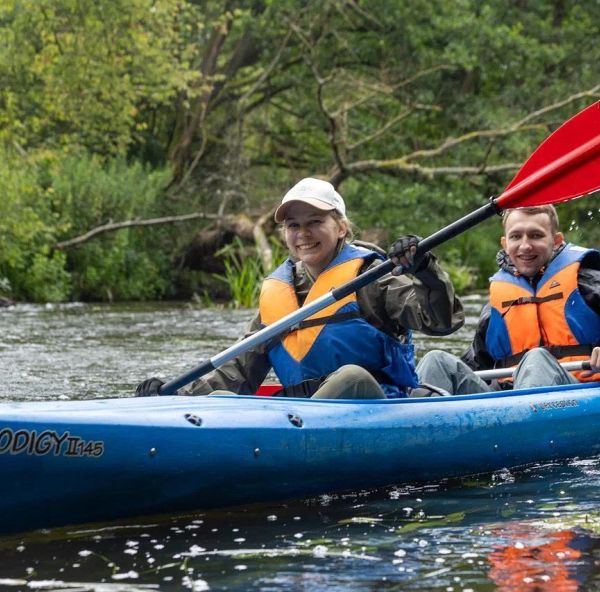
[[317, 193]]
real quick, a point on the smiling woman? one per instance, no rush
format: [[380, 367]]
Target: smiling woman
[[361, 345], [314, 222], [312, 236]]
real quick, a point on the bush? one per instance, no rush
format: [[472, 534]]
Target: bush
[[51, 197], [124, 265], [47, 280], [26, 230]]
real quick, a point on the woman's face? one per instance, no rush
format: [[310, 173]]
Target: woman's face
[[312, 235]]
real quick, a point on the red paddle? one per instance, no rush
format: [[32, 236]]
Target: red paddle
[[566, 165]]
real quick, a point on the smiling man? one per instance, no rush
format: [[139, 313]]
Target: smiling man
[[544, 308], [531, 237]]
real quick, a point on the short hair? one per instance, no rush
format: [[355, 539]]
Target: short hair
[[548, 209]]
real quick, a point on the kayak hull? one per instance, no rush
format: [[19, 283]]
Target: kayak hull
[[82, 461]]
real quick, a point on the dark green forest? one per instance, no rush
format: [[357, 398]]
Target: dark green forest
[[146, 143]]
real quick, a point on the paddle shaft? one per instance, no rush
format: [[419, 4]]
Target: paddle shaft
[[508, 372]]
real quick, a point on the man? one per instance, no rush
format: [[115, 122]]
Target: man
[[544, 308]]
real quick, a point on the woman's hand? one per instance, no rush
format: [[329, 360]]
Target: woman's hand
[[404, 254], [149, 388]]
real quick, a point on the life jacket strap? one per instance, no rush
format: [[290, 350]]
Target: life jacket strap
[[532, 300], [334, 318], [305, 324]]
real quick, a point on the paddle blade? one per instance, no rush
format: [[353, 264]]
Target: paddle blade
[[564, 166]]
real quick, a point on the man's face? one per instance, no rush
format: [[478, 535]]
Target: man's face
[[529, 241]]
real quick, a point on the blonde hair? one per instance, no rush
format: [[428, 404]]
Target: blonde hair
[[349, 236], [548, 209]]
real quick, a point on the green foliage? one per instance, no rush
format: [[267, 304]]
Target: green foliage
[[5, 287], [579, 221], [123, 265], [244, 272], [46, 279], [470, 258], [47, 199], [83, 73], [411, 106], [243, 275], [117, 270], [398, 208], [463, 277], [26, 231]]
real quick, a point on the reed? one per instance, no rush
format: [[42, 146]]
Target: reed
[[245, 271]]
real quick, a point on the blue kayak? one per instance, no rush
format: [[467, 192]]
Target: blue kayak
[[82, 461]]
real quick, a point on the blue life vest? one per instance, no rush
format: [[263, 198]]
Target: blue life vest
[[337, 335]]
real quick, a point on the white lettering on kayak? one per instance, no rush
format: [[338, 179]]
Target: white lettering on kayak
[[47, 442], [549, 405]]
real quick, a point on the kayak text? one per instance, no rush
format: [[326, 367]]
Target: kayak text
[[47, 442], [560, 404]]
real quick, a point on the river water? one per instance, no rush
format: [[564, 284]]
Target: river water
[[536, 529]]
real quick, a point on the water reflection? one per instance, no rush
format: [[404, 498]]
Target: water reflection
[[530, 562], [526, 532]]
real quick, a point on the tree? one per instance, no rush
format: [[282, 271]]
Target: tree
[[85, 74], [418, 111]]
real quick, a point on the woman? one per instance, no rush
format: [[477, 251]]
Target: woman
[[358, 347]]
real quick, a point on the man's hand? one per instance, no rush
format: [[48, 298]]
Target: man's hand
[[594, 363], [403, 254]]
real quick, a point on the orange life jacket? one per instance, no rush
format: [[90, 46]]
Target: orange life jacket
[[553, 315]]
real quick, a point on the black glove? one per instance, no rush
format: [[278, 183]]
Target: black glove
[[149, 388], [405, 254]]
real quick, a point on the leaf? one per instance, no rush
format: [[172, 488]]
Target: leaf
[[452, 518]]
